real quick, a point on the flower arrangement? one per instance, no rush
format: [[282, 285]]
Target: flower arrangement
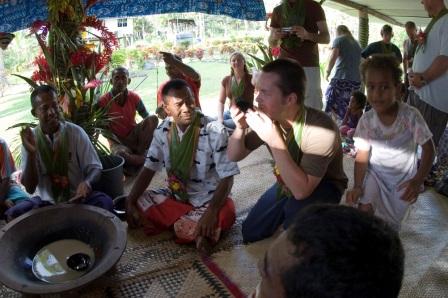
[[71, 63], [421, 38]]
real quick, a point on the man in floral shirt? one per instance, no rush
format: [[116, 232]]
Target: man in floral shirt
[[192, 148]]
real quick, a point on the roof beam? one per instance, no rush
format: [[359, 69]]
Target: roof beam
[[370, 11]]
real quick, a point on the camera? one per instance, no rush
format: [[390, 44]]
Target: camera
[[286, 29]]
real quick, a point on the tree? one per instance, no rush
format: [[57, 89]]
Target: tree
[[142, 27]]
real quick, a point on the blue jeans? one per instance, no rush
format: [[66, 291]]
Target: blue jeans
[[269, 212], [96, 198], [228, 121]]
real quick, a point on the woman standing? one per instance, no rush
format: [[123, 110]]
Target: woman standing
[[346, 54], [237, 87]]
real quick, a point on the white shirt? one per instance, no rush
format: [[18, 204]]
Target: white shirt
[[435, 92], [82, 159]]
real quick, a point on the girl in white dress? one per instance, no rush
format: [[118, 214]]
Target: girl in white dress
[[387, 177]]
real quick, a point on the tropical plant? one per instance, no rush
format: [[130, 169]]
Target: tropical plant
[[269, 54], [75, 64]]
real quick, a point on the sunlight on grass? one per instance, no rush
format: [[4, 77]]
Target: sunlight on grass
[[16, 108]]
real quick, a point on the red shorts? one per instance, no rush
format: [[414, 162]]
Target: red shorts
[[160, 213]]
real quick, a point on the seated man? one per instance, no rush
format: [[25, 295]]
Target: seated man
[[304, 143], [134, 139], [176, 69], [333, 251], [10, 192], [192, 148], [58, 159]]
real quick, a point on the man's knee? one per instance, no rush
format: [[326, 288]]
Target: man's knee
[[248, 234], [101, 200], [151, 122], [251, 232], [19, 209]]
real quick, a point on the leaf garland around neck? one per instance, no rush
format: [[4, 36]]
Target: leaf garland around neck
[[293, 141], [236, 89], [56, 159], [428, 28], [182, 153], [293, 16]]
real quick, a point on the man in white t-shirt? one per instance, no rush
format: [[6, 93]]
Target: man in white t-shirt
[[429, 78]]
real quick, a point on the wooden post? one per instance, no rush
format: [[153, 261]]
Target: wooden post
[[363, 28]]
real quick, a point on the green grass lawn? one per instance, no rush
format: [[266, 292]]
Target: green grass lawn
[[211, 74], [16, 108]]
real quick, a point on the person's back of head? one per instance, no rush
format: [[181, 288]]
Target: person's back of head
[[343, 30], [343, 252], [291, 77]]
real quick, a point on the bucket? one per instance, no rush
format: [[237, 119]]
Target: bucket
[[111, 182]]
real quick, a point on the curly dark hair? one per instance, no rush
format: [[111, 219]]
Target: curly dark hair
[[343, 252], [384, 63]]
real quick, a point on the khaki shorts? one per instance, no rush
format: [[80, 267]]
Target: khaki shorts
[[435, 118]]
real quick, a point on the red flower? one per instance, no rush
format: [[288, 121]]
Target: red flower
[[92, 84], [108, 40], [421, 37], [275, 52], [43, 73], [40, 27], [177, 187], [82, 57]]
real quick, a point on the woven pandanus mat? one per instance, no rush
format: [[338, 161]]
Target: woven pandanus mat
[[158, 267]]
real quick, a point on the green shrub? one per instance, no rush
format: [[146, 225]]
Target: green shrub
[[167, 45], [136, 58], [185, 44], [118, 58]]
